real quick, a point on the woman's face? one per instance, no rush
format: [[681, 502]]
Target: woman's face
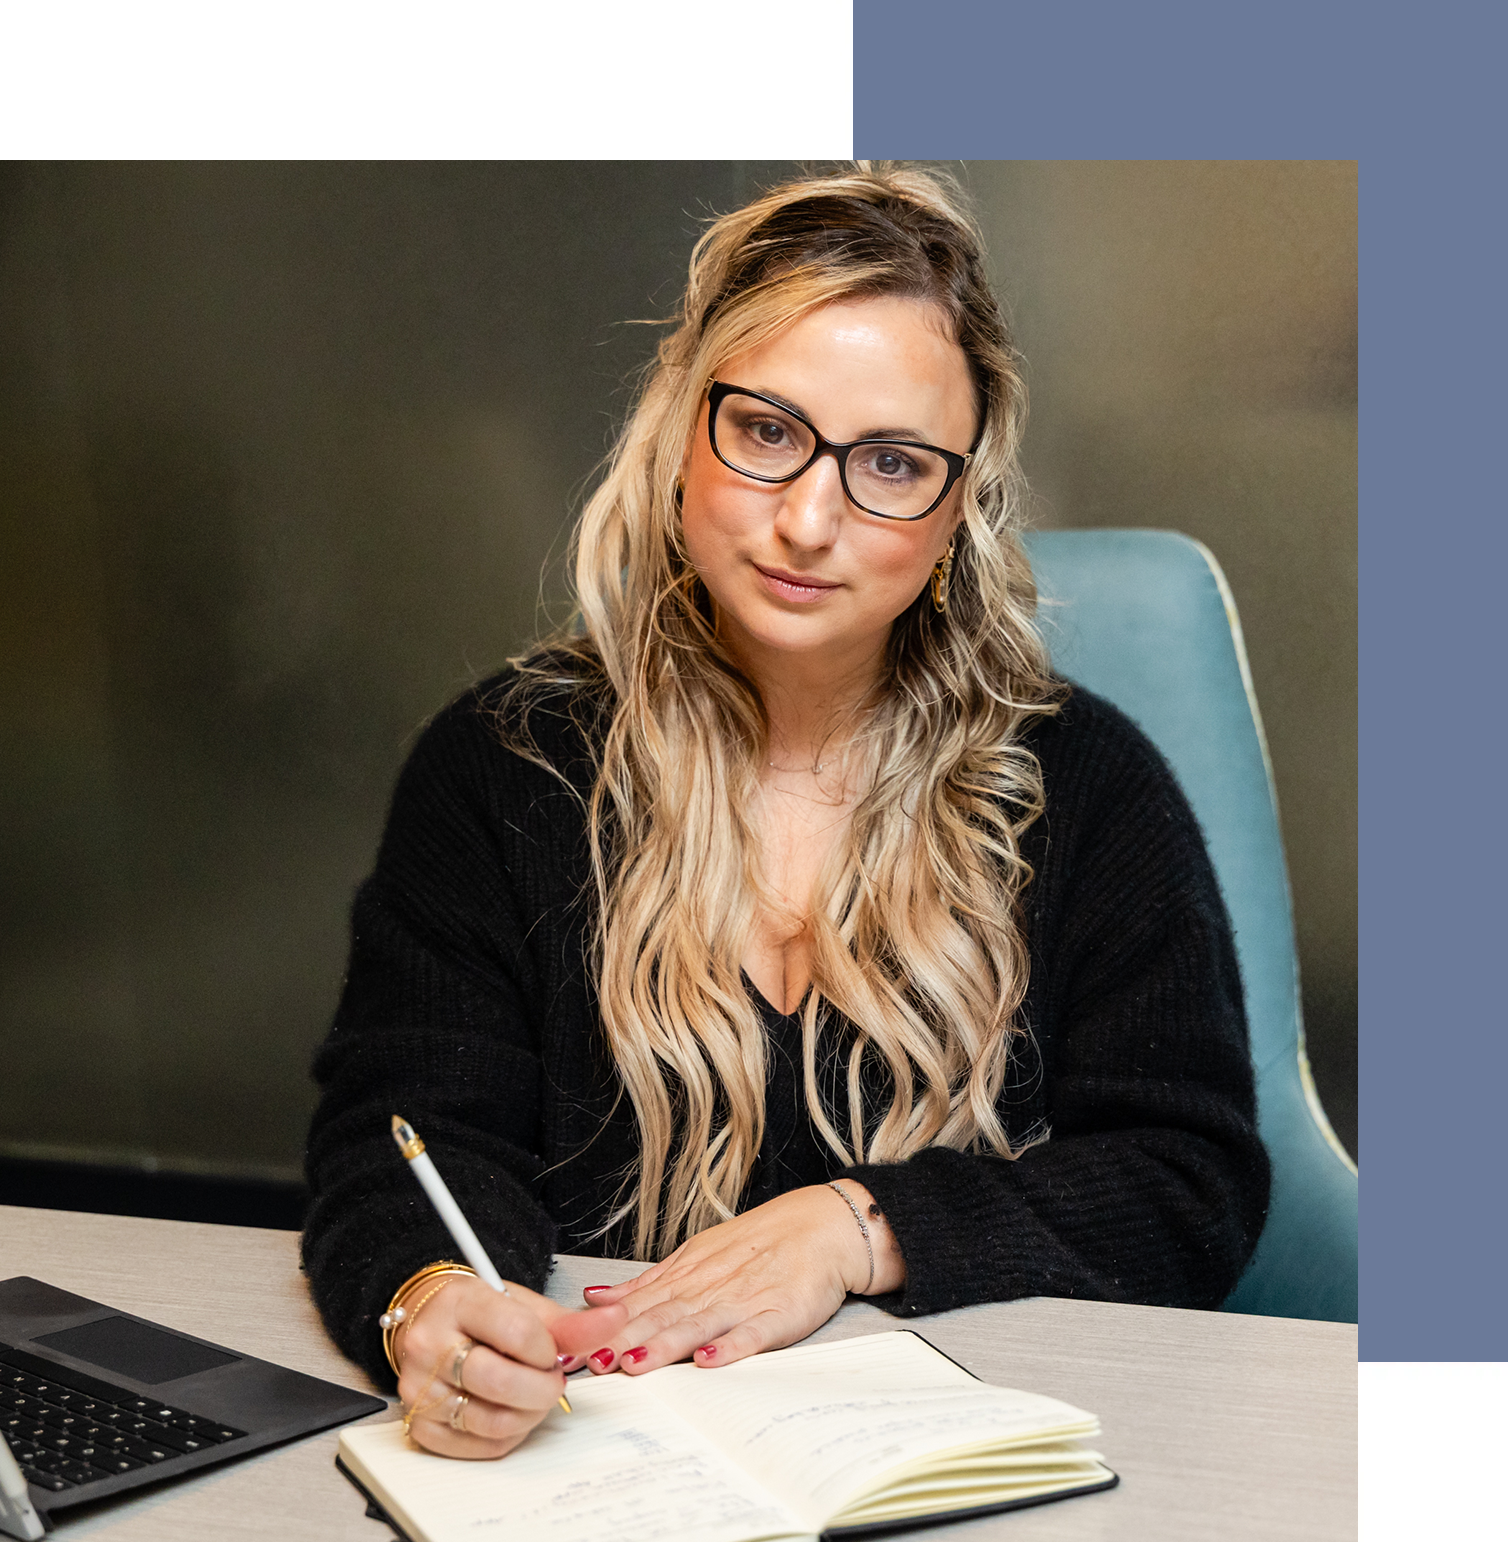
[[794, 568]]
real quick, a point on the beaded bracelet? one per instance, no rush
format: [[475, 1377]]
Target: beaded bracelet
[[868, 1245]]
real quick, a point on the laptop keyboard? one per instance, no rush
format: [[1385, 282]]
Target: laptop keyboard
[[66, 1429]]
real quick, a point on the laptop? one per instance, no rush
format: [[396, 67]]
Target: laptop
[[94, 1402]]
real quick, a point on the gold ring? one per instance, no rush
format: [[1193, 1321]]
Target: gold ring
[[458, 1364], [458, 1413]]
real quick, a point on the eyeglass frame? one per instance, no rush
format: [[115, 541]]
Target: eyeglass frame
[[719, 390]]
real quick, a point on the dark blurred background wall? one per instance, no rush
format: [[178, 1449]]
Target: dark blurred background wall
[[283, 450], [1191, 334]]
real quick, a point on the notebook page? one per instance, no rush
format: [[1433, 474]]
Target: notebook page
[[1005, 1476], [621, 1468], [821, 1424]]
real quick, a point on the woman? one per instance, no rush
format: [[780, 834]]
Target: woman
[[784, 922]]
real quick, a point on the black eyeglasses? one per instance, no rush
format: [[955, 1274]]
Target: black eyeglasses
[[891, 478]]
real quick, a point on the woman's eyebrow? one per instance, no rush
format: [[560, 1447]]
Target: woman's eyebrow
[[782, 401], [869, 433], [896, 433]]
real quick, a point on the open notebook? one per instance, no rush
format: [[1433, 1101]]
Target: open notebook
[[865, 1434]]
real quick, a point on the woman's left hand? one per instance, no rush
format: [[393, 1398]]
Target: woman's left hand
[[760, 1281]]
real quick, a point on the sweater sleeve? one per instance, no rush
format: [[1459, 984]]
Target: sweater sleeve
[[1152, 1185], [432, 1024]]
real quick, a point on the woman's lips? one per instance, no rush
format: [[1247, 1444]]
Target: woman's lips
[[794, 586]]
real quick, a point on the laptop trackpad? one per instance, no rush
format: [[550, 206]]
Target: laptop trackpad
[[133, 1349]]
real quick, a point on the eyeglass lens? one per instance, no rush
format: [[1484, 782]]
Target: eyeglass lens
[[898, 480]]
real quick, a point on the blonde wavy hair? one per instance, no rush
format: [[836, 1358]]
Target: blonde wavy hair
[[919, 963]]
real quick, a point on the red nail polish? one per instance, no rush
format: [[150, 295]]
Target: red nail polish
[[636, 1355], [595, 1290], [708, 1350], [564, 1362], [602, 1359]]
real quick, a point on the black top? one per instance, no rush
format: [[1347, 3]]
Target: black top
[[792, 1154], [468, 1009]]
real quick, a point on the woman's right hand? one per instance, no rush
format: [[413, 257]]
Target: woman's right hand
[[522, 1345]]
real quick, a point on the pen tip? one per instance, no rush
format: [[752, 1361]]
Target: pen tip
[[408, 1143]]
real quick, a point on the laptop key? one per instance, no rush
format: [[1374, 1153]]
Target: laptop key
[[104, 1434], [70, 1446], [115, 1461], [146, 1451], [159, 1435], [47, 1480], [200, 1429], [205, 1429]]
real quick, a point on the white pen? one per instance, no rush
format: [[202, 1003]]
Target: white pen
[[448, 1210], [17, 1517]]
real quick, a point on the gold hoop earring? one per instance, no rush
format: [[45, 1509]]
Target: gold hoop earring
[[940, 577]]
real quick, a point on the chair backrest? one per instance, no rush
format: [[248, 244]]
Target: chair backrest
[[1145, 618]]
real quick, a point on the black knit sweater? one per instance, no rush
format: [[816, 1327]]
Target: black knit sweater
[[468, 1009]]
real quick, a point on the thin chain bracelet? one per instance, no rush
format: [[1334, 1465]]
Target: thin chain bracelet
[[420, 1406], [863, 1227]]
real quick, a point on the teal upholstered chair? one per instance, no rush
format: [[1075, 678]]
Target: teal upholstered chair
[[1145, 618]]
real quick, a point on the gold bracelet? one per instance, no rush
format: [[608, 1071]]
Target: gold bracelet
[[397, 1313]]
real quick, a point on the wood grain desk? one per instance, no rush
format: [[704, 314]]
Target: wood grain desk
[[1220, 1426]]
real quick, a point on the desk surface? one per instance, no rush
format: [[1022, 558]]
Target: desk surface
[[1219, 1425]]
